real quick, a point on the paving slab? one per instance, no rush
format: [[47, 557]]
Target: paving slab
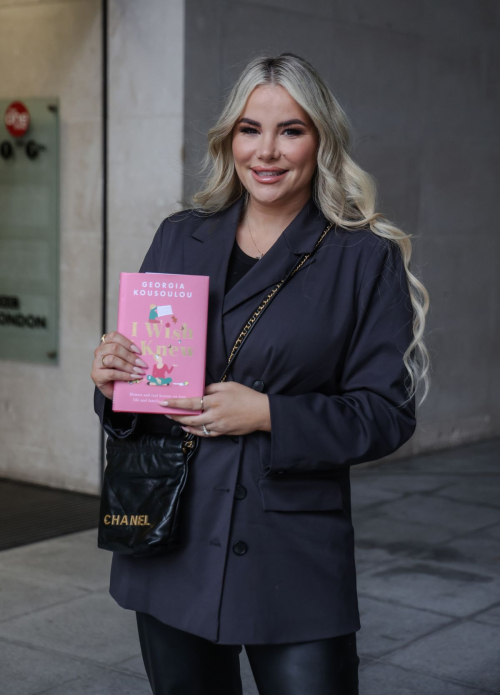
[[382, 478], [367, 558], [134, 664], [432, 586], [92, 627], [484, 491], [418, 522], [491, 616], [397, 538], [452, 518], [465, 652], [478, 549], [379, 678], [387, 626], [104, 683], [22, 594], [75, 560], [364, 494], [473, 550], [26, 670]]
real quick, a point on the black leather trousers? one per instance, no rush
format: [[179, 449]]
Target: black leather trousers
[[178, 663]]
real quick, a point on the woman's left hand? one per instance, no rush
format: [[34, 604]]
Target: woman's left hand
[[228, 408]]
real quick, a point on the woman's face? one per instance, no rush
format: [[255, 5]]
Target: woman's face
[[274, 133]]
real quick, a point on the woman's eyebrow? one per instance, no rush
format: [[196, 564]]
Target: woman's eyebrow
[[293, 121]]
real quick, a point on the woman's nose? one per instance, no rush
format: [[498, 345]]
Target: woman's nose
[[267, 148]]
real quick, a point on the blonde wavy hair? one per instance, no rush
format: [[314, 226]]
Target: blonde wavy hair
[[345, 193]]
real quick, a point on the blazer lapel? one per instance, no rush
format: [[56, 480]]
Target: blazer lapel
[[298, 238], [208, 250]]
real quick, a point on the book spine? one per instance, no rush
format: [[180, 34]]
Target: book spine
[[204, 353]]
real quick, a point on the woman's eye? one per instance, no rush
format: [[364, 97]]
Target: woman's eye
[[247, 129], [293, 131]]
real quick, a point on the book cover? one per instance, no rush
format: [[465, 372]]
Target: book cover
[[165, 315]]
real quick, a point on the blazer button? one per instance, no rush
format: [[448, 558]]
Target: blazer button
[[240, 548], [240, 492], [176, 430], [258, 385]]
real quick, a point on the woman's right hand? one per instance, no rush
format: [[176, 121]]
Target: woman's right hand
[[116, 359]]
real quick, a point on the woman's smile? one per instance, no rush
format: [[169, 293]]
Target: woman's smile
[[268, 175]]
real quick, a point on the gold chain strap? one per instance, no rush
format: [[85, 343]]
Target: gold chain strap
[[271, 294]]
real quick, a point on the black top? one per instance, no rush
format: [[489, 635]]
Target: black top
[[239, 264]]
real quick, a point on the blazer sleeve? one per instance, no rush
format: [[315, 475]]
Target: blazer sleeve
[[318, 432], [121, 425]]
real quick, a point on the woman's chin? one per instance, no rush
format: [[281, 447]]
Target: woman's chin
[[268, 194]]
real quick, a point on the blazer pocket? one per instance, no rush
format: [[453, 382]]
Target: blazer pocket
[[304, 495]]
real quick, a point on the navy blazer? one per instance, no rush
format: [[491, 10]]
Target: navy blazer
[[268, 552]]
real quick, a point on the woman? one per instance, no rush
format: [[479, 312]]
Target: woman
[[159, 373], [326, 380]]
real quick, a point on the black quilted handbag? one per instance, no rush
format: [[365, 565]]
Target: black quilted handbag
[[146, 474]]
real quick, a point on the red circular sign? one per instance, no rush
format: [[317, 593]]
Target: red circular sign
[[17, 119]]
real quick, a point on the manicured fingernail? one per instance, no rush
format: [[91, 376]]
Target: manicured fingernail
[[140, 362], [169, 416], [134, 348], [162, 402], [139, 370], [186, 429]]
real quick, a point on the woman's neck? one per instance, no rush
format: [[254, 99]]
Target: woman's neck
[[269, 221]]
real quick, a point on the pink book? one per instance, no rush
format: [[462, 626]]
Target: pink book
[[165, 315]]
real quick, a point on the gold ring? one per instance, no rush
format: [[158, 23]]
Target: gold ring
[[103, 338], [202, 403], [102, 360]]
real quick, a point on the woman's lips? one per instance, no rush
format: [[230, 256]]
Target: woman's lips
[[274, 178]]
